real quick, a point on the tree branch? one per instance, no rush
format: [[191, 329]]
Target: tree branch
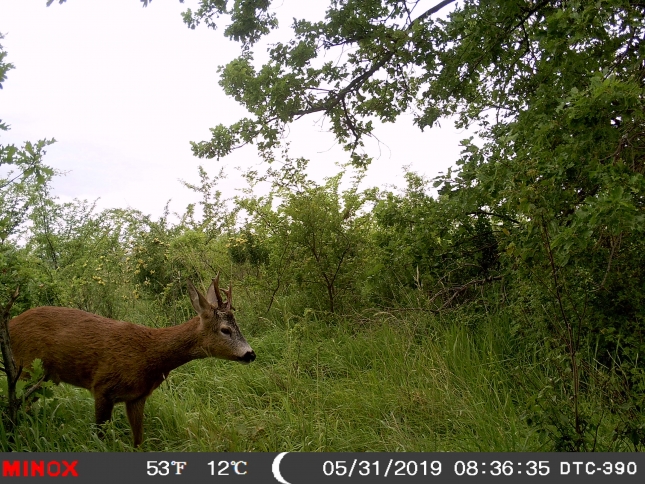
[[430, 11], [493, 214], [461, 289], [357, 82]]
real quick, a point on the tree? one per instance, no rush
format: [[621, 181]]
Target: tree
[[430, 245], [556, 90], [295, 82], [308, 235], [483, 58], [23, 183], [24, 176]]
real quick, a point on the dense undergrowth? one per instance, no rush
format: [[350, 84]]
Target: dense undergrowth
[[406, 382], [376, 381]]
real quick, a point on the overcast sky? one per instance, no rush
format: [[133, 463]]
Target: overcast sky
[[124, 89]]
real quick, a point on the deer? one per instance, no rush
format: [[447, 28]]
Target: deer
[[118, 361]]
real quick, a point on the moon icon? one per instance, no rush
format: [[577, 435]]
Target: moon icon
[[275, 467]]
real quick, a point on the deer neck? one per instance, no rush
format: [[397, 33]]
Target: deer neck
[[177, 345]]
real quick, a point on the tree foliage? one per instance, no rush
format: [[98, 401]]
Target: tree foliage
[[24, 180], [431, 245], [312, 236], [553, 187]]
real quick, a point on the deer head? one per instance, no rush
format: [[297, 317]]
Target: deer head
[[220, 335]]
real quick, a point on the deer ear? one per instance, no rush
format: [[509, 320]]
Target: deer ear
[[199, 302]]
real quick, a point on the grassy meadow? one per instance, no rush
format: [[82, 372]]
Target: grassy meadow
[[389, 382], [377, 381]]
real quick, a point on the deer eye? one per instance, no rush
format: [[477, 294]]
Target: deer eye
[[226, 331]]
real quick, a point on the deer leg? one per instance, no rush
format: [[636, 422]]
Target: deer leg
[[134, 409], [102, 410]]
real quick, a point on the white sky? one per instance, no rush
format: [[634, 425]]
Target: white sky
[[124, 89]]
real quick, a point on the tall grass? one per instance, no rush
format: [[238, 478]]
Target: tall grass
[[386, 381]]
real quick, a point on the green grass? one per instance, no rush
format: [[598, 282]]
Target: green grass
[[387, 382]]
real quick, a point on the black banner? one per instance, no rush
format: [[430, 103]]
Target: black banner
[[315, 468]]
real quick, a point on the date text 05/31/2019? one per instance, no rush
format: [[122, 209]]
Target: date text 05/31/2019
[[395, 467]]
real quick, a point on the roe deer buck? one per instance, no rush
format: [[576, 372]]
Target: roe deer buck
[[123, 362]]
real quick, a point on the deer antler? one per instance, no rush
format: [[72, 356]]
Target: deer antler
[[229, 298], [214, 293]]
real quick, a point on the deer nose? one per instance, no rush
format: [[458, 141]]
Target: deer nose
[[249, 357]]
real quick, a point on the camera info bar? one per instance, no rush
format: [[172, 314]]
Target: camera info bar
[[320, 468]]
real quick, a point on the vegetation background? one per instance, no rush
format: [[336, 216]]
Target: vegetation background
[[504, 312]]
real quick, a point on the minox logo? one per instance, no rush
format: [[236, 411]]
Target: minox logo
[[39, 468]]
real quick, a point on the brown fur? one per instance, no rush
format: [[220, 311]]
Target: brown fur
[[123, 362]]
